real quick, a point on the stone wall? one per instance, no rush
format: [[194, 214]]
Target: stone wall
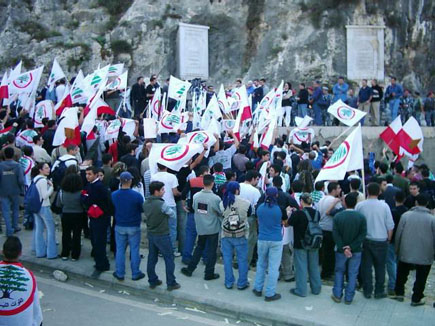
[[372, 142]]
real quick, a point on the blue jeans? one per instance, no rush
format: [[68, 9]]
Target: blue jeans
[[317, 115], [429, 117], [127, 235], [374, 255], [162, 244], [307, 264], [228, 245], [10, 203], [302, 110], [190, 239], [45, 248], [352, 274], [391, 266], [173, 229], [394, 108], [269, 259]]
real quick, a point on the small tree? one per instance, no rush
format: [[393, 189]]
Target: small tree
[[12, 279]]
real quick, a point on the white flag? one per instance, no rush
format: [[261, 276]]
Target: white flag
[[15, 72], [117, 83], [112, 130], [77, 92], [345, 113], [115, 70], [267, 137], [44, 109], [67, 127], [198, 137], [55, 75], [198, 108], [303, 122], [178, 91], [169, 122], [212, 111], [26, 82], [347, 157], [156, 104], [173, 156], [228, 124], [222, 100]]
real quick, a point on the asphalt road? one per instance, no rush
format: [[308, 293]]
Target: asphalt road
[[74, 303]]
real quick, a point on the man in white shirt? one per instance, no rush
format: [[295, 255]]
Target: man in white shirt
[[69, 158], [40, 155], [249, 192], [171, 183], [325, 206], [225, 156]]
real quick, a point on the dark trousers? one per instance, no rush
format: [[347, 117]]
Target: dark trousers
[[374, 255], [211, 241], [162, 244], [98, 228], [328, 255], [422, 272], [71, 225]]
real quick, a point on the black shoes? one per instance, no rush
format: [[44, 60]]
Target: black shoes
[[211, 277], [156, 284], [186, 271], [257, 293], [119, 278], [139, 277], [274, 297], [176, 286]]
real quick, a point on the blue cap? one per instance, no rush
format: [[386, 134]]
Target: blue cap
[[126, 176]]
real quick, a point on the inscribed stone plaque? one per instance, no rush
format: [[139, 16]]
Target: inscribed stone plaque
[[365, 52], [192, 51]]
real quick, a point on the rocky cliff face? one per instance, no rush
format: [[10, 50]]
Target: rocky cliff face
[[295, 40]]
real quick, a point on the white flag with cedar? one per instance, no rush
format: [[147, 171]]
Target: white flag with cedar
[[55, 75]]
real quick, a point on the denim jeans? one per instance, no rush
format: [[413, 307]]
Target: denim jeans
[[127, 235], [374, 255], [162, 244], [394, 108], [302, 110], [45, 247], [206, 243], [429, 116], [173, 229], [190, 239], [240, 245], [269, 259], [352, 274], [317, 115], [10, 204], [391, 266], [307, 265], [181, 226]]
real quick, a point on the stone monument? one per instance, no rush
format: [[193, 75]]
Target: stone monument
[[365, 52], [192, 51]]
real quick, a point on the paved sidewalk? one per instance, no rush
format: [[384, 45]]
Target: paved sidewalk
[[243, 305]]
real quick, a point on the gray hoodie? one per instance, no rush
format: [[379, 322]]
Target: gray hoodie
[[11, 178]]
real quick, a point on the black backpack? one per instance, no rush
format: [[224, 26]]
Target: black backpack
[[233, 226], [313, 234], [59, 172]]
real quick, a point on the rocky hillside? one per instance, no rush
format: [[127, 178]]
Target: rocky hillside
[[295, 40]]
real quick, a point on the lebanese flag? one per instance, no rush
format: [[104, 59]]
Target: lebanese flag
[[267, 137], [389, 135], [411, 137], [65, 102], [4, 92], [5, 130], [68, 130], [55, 75], [173, 156], [26, 82], [156, 104], [345, 113], [244, 114]]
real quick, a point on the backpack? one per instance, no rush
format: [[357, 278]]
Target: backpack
[[32, 200], [59, 172], [313, 234], [233, 226]]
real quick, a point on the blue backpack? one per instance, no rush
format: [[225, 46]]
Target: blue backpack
[[32, 201]]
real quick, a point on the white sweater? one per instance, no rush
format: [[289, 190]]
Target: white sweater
[[44, 190]]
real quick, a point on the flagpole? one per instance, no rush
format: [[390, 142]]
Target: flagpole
[[336, 138]]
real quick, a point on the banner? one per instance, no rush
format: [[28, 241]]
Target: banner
[[173, 156], [169, 122], [149, 128], [43, 109], [347, 157], [228, 124], [345, 113]]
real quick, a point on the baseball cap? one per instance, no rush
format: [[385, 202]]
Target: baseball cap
[[126, 176]]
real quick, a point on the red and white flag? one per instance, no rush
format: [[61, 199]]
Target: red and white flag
[[389, 135], [411, 137], [244, 115], [43, 109], [65, 102], [55, 75], [26, 82], [156, 104], [117, 82], [173, 156], [267, 137], [68, 129], [345, 113], [4, 91], [169, 122]]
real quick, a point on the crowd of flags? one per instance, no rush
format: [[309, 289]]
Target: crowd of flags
[[222, 113]]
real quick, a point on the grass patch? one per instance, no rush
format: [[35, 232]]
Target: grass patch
[[36, 30], [115, 7]]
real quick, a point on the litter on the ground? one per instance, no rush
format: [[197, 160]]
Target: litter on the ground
[[195, 310]]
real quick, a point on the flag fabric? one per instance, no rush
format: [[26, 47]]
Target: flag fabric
[[263, 172], [128, 126], [222, 100], [267, 137], [169, 122], [93, 81], [55, 75], [178, 91], [68, 130], [65, 102], [345, 113], [115, 70], [389, 135], [4, 90], [15, 72], [112, 129], [92, 112], [173, 156], [25, 137], [214, 127], [198, 137], [43, 109], [212, 111], [156, 104], [78, 94], [198, 108], [244, 115], [347, 157], [303, 122], [300, 135], [26, 82], [411, 137], [228, 124], [149, 128], [117, 82]]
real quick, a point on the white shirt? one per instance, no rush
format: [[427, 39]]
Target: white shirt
[[299, 135], [170, 181], [250, 193], [326, 220], [60, 90], [223, 157], [67, 158]]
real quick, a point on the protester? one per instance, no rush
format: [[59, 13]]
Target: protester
[[349, 232], [158, 214]]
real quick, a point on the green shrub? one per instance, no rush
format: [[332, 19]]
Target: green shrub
[[115, 7], [120, 46], [36, 30]]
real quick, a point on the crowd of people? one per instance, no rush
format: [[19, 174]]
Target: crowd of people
[[287, 226]]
